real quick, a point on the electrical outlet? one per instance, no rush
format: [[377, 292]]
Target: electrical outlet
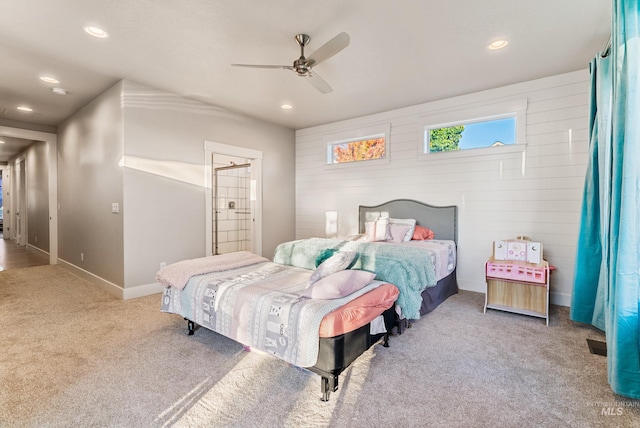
[[163, 265], [81, 257]]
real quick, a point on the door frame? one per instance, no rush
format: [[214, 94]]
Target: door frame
[[211, 148], [52, 144]]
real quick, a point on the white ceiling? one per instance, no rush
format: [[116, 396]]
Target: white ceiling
[[402, 52]]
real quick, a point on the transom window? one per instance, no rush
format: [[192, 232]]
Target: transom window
[[479, 129], [361, 149], [473, 134]]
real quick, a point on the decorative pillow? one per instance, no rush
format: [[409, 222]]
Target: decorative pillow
[[341, 260], [377, 230], [422, 233], [324, 255], [398, 232], [410, 222], [339, 284]]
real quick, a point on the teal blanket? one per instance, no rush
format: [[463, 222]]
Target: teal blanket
[[408, 268]]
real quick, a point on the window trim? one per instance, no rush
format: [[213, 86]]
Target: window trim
[[365, 133], [479, 113]]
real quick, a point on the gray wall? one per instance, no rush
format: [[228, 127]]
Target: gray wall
[[90, 145], [164, 194], [144, 149], [37, 193]]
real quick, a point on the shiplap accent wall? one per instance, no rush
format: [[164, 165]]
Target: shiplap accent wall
[[536, 192]]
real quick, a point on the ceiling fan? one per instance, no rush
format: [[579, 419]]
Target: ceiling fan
[[303, 65]]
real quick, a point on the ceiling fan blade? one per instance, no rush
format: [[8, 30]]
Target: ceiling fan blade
[[285, 67], [329, 49], [319, 83]]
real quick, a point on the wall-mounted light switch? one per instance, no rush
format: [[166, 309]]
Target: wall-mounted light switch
[[115, 207]]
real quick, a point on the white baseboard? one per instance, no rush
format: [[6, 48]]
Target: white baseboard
[[37, 250], [478, 287], [555, 298], [560, 299], [142, 290], [110, 287]]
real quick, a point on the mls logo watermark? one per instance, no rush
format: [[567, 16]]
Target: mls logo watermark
[[613, 408], [611, 411]]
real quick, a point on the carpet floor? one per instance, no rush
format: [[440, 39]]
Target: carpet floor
[[72, 355]]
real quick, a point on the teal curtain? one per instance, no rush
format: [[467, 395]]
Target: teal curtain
[[587, 299], [610, 298]]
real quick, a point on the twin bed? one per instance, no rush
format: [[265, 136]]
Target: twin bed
[[321, 303]]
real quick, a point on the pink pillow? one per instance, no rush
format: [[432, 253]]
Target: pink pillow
[[339, 284], [422, 233], [398, 231]]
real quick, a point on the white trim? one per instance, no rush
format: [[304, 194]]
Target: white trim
[[560, 299], [110, 287], [363, 133], [37, 250], [51, 140], [472, 114], [101, 283], [211, 147], [479, 151], [142, 290], [555, 298]]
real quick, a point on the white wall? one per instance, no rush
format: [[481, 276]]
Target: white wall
[[499, 196]]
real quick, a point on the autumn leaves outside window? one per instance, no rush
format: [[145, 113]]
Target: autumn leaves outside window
[[368, 148]]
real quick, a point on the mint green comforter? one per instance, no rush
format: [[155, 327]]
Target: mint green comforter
[[408, 268]]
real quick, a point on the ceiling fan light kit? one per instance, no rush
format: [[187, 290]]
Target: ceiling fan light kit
[[303, 66]]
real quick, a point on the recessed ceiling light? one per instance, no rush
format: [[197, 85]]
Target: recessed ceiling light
[[25, 109], [1, 142], [59, 91], [498, 44], [286, 106], [49, 79], [96, 32]]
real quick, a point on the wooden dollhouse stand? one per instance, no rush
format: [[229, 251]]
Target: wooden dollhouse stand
[[518, 286]]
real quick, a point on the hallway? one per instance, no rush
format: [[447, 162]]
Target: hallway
[[14, 256]]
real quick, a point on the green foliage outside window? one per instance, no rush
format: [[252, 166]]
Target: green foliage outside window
[[445, 139]]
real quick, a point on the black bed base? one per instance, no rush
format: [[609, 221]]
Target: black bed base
[[335, 354], [431, 299]]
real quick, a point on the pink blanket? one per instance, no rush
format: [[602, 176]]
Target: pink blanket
[[177, 274]]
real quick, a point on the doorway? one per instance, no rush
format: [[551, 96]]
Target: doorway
[[233, 205], [233, 199]]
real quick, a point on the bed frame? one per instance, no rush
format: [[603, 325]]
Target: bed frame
[[444, 223], [337, 353]]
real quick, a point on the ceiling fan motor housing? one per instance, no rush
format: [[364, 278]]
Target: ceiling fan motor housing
[[301, 67]]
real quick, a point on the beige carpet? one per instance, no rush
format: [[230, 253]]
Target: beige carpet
[[71, 355]]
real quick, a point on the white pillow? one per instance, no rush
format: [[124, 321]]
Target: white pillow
[[339, 284], [411, 222], [337, 262], [377, 230]]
